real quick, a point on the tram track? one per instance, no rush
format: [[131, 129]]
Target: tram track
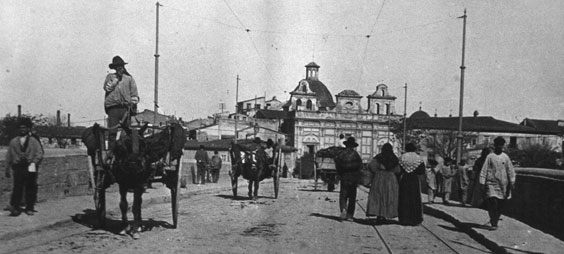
[[385, 242]]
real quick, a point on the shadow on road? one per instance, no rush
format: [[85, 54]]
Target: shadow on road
[[88, 219], [239, 198], [331, 217]]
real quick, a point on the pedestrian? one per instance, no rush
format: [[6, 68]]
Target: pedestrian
[[447, 174], [202, 162], [410, 210], [471, 178], [498, 180], [22, 158], [216, 166], [384, 188], [478, 194], [462, 181], [431, 179], [348, 164], [120, 100]]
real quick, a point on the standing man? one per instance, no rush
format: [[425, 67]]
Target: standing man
[[216, 166], [348, 164], [202, 162], [23, 158], [121, 97], [498, 179]]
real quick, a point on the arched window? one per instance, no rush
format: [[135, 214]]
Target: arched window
[[298, 103], [387, 109], [383, 92], [377, 108], [309, 105], [304, 88]]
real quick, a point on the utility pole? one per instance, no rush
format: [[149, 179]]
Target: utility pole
[[405, 118], [157, 68], [236, 107], [459, 137]]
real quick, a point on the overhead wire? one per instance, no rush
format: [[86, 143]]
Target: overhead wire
[[367, 40]]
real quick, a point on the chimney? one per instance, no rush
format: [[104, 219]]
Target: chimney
[[58, 118], [68, 120], [19, 111]]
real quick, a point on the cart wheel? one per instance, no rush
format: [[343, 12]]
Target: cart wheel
[[276, 180], [174, 191], [100, 197], [233, 182]]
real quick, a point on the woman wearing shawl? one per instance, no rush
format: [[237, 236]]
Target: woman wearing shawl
[[410, 210], [383, 196]]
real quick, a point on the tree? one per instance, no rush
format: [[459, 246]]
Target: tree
[[444, 142], [9, 128]]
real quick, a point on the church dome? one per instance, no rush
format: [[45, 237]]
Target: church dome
[[322, 94], [419, 114], [349, 93]]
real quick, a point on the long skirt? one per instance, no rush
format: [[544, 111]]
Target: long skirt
[[383, 196], [410, 211]]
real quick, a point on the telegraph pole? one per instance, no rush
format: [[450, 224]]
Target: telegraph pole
[[157, 69], [405, 118], [459, 137], [236, 108]]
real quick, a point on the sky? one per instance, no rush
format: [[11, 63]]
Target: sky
[[54, 55]]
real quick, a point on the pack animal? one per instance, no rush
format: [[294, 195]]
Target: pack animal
[[253, 164]]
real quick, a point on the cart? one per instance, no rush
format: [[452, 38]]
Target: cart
[[325, 167], [166, 170]]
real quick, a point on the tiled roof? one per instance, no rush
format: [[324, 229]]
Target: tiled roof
[[324, 97], [477, 124], [349, 93], [545, 125]]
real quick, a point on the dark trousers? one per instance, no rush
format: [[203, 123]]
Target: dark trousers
[[494, 206], [202, 173], [215, 174], [347, 197], [115, 114], [24, 180]]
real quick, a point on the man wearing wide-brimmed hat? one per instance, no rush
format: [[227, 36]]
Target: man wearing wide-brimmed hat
[[348, 164], [121, 96]]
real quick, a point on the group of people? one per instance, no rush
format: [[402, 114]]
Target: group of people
[[395, 189], [208, 169]]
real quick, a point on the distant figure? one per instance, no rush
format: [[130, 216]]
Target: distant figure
[[447, 174], [472, 178], [121, 97], [216, 166], [478, 194], [23, 157], [384, 188], [462, 181], [202, 162], [342, 140], [431, 172], [498, 178], [410, 211], [348, 164]]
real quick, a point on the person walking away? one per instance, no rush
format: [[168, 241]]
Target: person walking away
[[431, 179], [202, 162], [462, 181], [478, 194], [23, 157], [120, 99], [471, 179], [447, 173], [498, 179], [383, 196], [410, 210], [216, 166], [348, 164]]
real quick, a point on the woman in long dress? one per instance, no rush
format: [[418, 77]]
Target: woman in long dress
[[410, 210], [384, 188]]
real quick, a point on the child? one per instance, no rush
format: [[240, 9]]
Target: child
[[431, 177], [447, 172]]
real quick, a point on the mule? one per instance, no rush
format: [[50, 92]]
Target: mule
[[136, 160], [251, 163]]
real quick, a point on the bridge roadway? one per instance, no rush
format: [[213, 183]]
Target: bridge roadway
[[21, 233]]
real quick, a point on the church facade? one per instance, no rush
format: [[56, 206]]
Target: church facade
[[319, 120]]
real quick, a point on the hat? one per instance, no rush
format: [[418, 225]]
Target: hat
[[269, 142], [499, 141], [116, 61], [257, 140], [25, 122], [350, 142]]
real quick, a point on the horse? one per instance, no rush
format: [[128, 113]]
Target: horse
[[252, 162], [136, 160]]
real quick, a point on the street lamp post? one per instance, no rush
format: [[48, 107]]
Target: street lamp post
[[459, 137]]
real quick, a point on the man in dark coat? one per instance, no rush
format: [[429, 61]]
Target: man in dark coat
[[348, 164], [202, 162]]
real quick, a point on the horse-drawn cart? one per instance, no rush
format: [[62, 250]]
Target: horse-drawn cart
[[137, 160], [325, 167]]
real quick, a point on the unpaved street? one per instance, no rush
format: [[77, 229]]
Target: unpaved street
[[301, 220]]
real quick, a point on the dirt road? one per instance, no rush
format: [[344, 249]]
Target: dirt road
[[301, 220]]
